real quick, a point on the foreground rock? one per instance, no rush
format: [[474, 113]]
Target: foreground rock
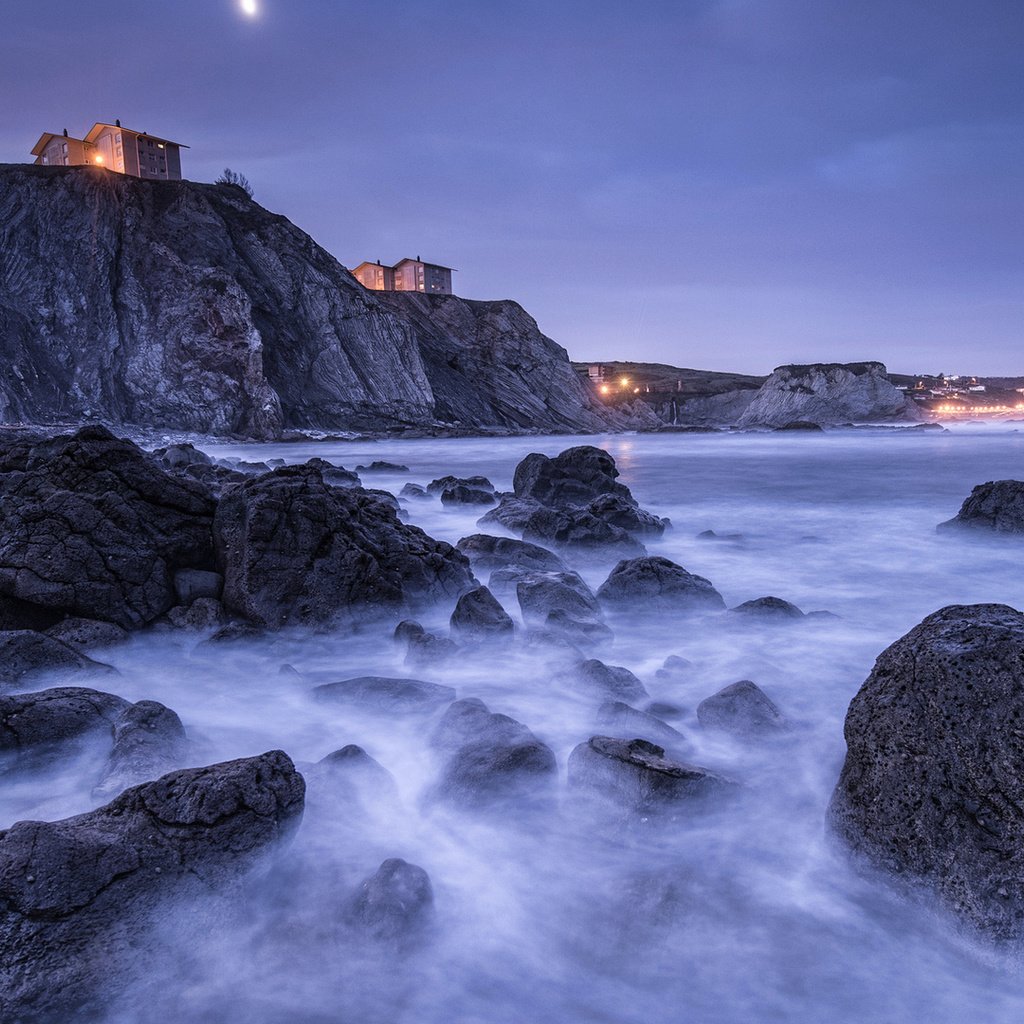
[[574, 477], [635, 776], [932, 788], [563, 604], [491, 760], [53, 716], [294, 550], [768, 609], [997, 507], [24, 653], [479, 617], [149, 741], [653, 582], [90, 526], [395, 904], [608, 682], [77, 896], [617, 718], [741, 708], [487, 553]]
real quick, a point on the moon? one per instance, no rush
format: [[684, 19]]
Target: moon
[[250, 8]]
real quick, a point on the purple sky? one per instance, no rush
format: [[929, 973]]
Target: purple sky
[[729, 184]]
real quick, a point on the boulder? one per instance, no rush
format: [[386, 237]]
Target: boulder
[[574, 477], [997, 506], [617, 718], [931, 788], [742, 708], [91, 526], [52, 716], [674, 668], [384, 694], [332, 475], [394, 905], [478, 616], [77, 896], [490, 759], [429, 649], [487, 553], [560, 602], [379, 466], [768, 609], [653, 582], [350, 777], [635, 776], [294, 550], [178, 456], [149, 741], [462, 495], [608, 682], [87, 633], [511, 513], [406, 630], [413, 491], [24, 653], [574, 527], [205, 613], [446, 483], [624, 513]]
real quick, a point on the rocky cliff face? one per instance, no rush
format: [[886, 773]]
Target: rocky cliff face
[[828, 393], [190, 307]]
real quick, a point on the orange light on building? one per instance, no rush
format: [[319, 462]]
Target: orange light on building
[[624, 382], [605, 389], [99, 159]]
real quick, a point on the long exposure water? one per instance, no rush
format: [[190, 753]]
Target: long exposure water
[[747, 912]]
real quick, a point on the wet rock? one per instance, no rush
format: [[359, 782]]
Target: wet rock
[[379, 466], [931, 788], [625, 514], [512, 513], [395, 904], [192, 584], [446, 483], [56, 715], [77, 896], [711, 535], [24, 653], [91, 526], [352, 778], [461, 495], [561, 602], [478, 616], [206, 613], [17, 615], [769, 609], [487, 553], [802, 425], [996, 506], [572, 527], [386, 694], [332, 475], [608, 681], [636, 776], [294, 550], [87, 633], [674, 667], [406, 630], [413, 491], [574, 477], [490, 759], [742, 708], [178, 456], [655, 582], [617, 718], [429, 649], [665, 709], [149, 741]]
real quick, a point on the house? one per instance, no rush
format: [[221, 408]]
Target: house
[[405, 276], [118, 149]]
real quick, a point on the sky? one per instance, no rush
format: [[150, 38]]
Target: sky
[[722, 184]]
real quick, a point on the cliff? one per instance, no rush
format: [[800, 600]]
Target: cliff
[[826, 394], [187, 306]]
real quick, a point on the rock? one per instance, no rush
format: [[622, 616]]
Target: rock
[[201, 615], [350, 783], [625, 514], [82, 892], [379, 466], [512, 513], [769, 609], [541, 593], [413, 491], [487, 553], [827, 394], [635, 776], [460, 495], [931, 788], [608, 681], [654, 582], [470, 483], [733, 538], [997, 506], [178, 456], [429, 649], [406, 630], [149, 741], [571, 527], [192, 584], [574, 477], [664, 709], [617, 718], [395, 904], [491, 759], [18, 615], [90, 526], [24, 654], [478, 616], [294, 550], [742, 708], [801, 426], [385, 694], [332, 475], [85, 634], [674, 667], [53, 716]]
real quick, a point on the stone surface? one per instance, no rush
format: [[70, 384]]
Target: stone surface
[[768, 609], [52, 716], [84, 634], [462, 495], [579, 528], [380, 466], [413, 491], [576, 476], [511, 513], [387, 694], [478, 616], [77, 896], [294, 550], [541, 593], [617, 718], [149, 741], [625, 514], [487, 553], [742, 708], [997, 507], [657, 583], [608, 682], [426, 650], [395, 904], [470, 483], [192, 584], [351, 777], [24, 654], [931, 788]]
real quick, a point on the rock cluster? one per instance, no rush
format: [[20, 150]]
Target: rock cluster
[[997, 506]]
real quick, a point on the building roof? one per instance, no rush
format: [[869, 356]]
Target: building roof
[[369, 263], [426, 263], [44, 141], [94, 132]]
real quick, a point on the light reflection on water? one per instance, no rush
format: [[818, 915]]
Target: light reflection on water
[[746, 914]]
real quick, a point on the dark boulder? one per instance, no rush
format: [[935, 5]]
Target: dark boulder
[[617, 718], [406, 630], [24, 653], [654, 582], [742, 708], [91, 526], [608, 682], [332, 475], [351, 778], [487, 553], [768, 609], [77, 896], [205, 613], [997, 506], [294, 550], [578, 528], [176, 457], [87, 633], [462, 495], [490, 759], [379, 466], [478, 616], [574, 477], [562, 603], [635, 776], [625, 514], [385, 694], [446, 483], [413, 491], [149, 741], [512, 513], [393, 905], [674, 668], [430, 649], [932, 788], [53, 716]]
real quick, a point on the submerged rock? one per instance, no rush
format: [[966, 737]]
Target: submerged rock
[[149, 741], [617, 718], [512, 513], [742, 708], [413, 491], [655, 582], [561, 603], [352, 779], [379, 466], [24, 653], [931, 788], [768, 609], [77, 896], [395, 904], [487, 553], [579, 527], [608, 681], [997, 506], [386, 694], [478, 616]]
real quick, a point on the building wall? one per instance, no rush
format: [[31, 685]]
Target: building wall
[[155, 160], [415, 276], [376, 277], [64, 152]]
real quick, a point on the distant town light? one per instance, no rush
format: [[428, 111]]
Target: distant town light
[[605, 389], [624, 382]]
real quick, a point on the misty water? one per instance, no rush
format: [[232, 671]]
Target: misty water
[[745, 911]]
